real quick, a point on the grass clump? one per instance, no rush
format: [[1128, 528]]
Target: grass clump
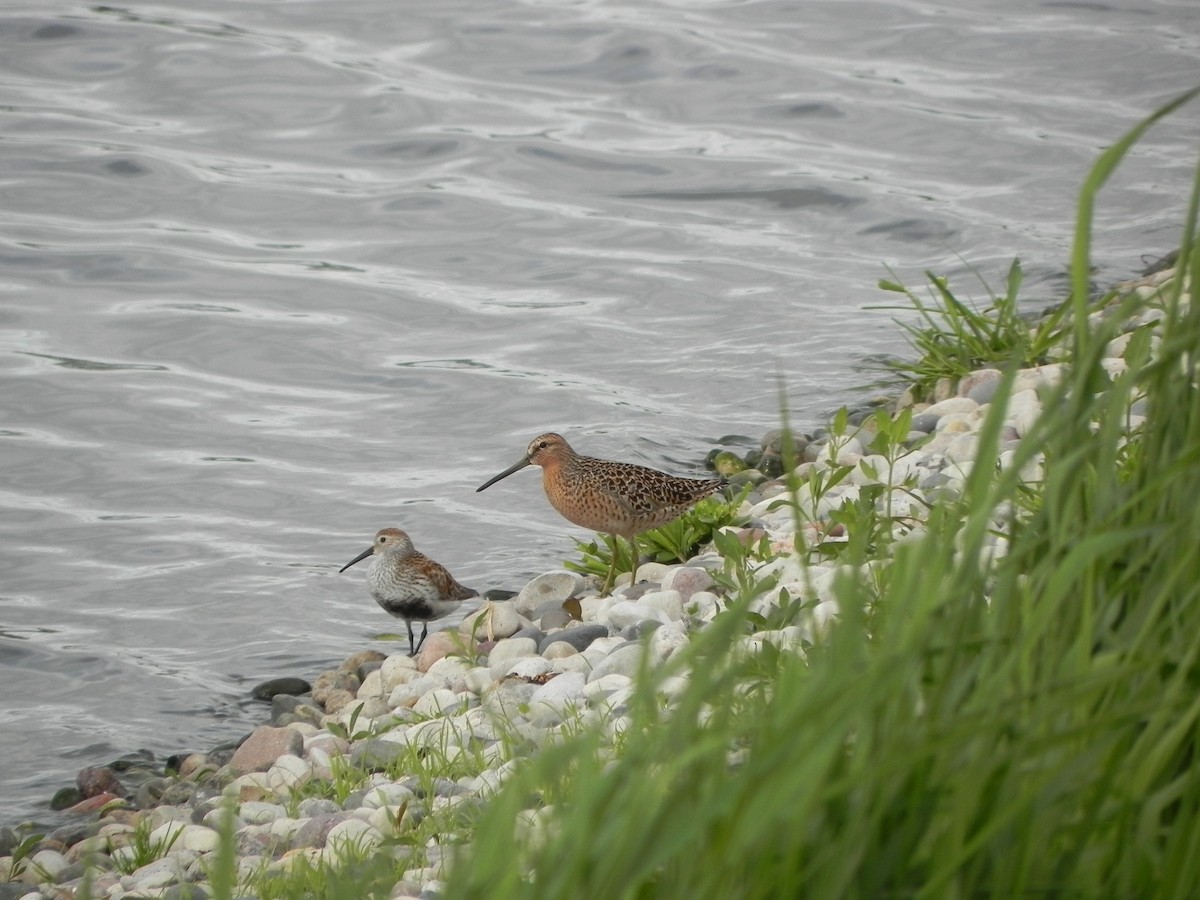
[[954, 338], [975, 724]]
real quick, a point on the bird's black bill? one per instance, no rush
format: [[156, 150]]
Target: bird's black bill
[[357, 559], [517, 468]]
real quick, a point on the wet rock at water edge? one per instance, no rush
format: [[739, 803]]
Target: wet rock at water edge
[[727, 463], [286, 709], [95, 780], [65, 798], [284, 685]]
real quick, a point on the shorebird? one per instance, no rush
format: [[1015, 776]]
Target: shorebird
[[408, 584], [621, 499]]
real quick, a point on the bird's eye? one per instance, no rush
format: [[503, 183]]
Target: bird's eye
[[383, 540], [542, 445]]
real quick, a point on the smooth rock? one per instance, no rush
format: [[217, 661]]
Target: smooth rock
[[286, 685], [647, 571], [952, 405], [156, 874], [686, 580], [511, 649], [964, 447], [703, 606], [439, 702], [493, 621], [376, 753], [558, 650], [580, 636], [260, 813], [315, 831], [924, 422], [396, 670], [980, 385], [438, 646], [508, 697], [334, 680], [555, 699], [665, 641], [624, 660], [93, 781], [265, 745], [530, 667], [625, 613], [478, 679], [549, 586]]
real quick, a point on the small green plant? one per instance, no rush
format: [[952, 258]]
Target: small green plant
[[676, 541], [349, 732], [143, 848], [21, 855]]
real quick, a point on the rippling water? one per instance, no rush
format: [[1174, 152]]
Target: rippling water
[[278, 274]]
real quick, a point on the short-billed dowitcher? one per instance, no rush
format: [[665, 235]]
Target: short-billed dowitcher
[[621, 499], [408, 584]]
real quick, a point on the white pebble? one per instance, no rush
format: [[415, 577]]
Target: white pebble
[[669, 602]]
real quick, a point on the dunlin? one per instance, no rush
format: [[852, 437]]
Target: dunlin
[[614, 497], [408, 584]]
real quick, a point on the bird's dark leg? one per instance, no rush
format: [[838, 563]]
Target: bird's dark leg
[[424, 634], [412, 650]]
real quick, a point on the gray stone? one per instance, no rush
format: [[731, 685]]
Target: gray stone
[[314, 832], [300, 708], [580, 637], [285, 685], [555, 618], [534, 634], [952, 405], [316, 806], [624, 660], [639, 630], [925, 422], [980, 385], [625, 613], [555, 699], [508, 696], [374, 753]]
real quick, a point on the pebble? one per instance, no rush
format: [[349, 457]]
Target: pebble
[[580, 636], [494, 621], [265, 745], [550, 586]]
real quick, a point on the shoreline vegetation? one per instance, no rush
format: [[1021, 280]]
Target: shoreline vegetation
[[944, 648]]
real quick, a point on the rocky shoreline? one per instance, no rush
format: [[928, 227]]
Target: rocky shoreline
[[518, 673]]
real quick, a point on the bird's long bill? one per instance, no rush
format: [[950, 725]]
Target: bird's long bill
[[358, 558], [515, 468]]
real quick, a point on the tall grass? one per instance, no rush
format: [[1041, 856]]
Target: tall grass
[[972, 727]]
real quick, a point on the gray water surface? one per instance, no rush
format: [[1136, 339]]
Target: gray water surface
[[275, 275]]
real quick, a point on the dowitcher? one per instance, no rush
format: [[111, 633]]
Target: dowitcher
[[408, 584], [621, 499]]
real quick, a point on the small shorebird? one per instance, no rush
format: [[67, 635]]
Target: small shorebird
[[408, 584], [621, 499]]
